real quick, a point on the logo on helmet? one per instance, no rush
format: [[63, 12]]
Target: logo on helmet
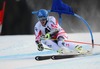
[[40, 14]]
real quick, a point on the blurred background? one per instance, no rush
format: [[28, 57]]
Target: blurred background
[[16, 15]]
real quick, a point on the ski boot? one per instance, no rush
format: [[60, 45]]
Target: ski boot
[[63, 51], [80, 49]]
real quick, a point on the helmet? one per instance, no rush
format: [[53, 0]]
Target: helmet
[[42, 14]]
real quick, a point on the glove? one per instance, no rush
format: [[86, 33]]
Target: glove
[[40, 47], [47, 36]]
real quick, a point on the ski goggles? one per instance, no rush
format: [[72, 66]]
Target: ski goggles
[[42, 18]]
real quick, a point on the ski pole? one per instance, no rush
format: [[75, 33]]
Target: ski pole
[[47, 48], [79, 42]]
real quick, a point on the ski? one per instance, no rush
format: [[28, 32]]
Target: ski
[[62, 56], [55, 57], [39, 58]]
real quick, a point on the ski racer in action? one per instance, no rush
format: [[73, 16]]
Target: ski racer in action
[[49, 32]]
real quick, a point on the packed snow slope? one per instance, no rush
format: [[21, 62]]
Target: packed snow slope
[[18, 52]]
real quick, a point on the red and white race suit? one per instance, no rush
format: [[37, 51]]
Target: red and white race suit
[[52, 24]]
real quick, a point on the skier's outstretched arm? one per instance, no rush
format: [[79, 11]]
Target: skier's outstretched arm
[[37, 39]]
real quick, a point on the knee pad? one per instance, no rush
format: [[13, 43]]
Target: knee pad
[[61, 43]]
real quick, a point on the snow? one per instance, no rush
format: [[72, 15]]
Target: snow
[[18, 52]]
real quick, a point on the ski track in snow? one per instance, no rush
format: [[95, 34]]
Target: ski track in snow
[[18, 52]]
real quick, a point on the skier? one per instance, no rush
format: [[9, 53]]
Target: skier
[[49, 32]]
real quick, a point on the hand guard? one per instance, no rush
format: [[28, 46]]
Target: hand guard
[[52, 33], [47, 36], [40, 47]]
